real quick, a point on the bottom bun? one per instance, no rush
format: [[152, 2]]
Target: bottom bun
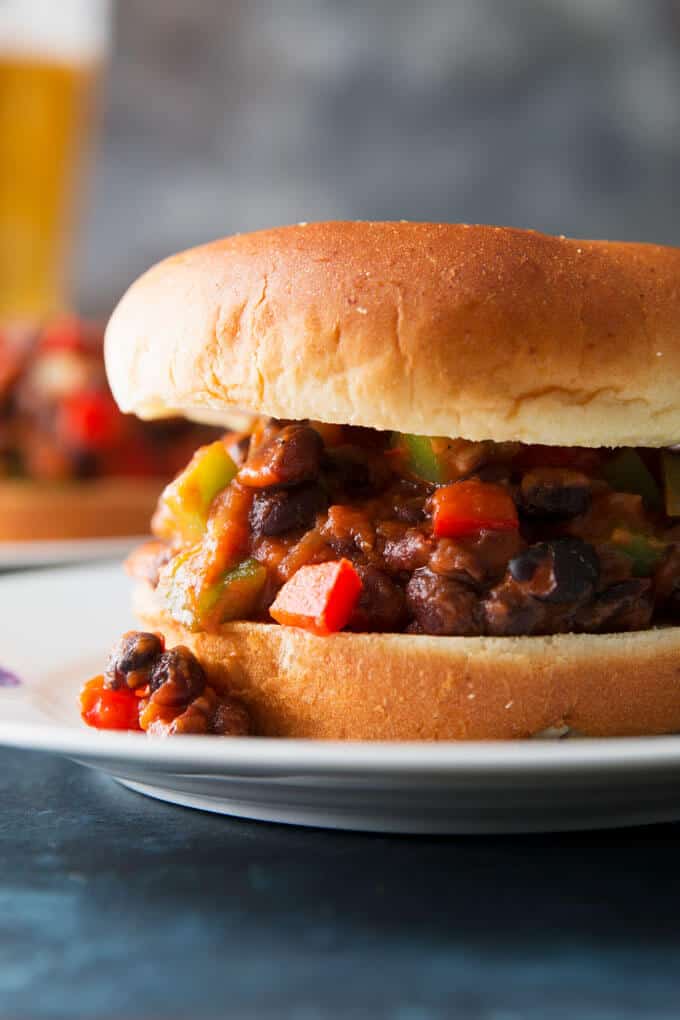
[[412, 687], [102, 508]]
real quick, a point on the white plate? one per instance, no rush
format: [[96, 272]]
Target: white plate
[[76, 550], [56, 628]]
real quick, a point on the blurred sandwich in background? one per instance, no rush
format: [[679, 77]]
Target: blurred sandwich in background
[[71, 465]]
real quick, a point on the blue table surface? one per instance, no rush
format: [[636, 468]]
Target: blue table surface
[[112, 905]]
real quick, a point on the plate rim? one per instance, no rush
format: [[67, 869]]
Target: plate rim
[[346, 757], [36, 554]]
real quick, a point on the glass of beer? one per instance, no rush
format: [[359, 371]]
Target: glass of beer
[[51, 56]]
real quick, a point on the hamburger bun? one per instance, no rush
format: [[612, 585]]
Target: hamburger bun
[[463, 331], [101, 508], [408, 687]]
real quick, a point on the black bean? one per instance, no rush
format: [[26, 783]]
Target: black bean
[[555, 493], [408, 552], [441, 605], [348, 471], [292, 456], [508, 611], [562, 570], [231, 718], [210, 713], [411, 511], [498, 474], [276, 511], [667, 582], [131, 659], [381, 605], [671, 605], [624, 606], [523, 566], [176, 677]]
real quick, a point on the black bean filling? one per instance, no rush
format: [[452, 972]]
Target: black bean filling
[[593, 551]]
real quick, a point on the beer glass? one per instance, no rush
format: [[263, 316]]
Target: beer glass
[[51, 56]]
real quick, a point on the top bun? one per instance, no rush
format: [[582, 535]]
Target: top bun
[[452, 330]]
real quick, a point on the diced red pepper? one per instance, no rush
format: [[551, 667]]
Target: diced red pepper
[[469, 507], [108, 709], [319, 597], [66, 333], [90, 420]]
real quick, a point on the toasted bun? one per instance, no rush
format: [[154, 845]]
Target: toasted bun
[[102, 508], [453, 330], [405, 687]]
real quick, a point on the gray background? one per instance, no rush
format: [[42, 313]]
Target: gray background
[[224, 115]]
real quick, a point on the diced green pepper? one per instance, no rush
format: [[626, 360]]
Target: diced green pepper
[[240, 590], [177, 589], [627, 472], [185, 503], [421, 458], [232, 596], [671, 477], [645, 551]]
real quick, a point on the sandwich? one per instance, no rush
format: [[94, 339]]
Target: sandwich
[[71, 465], [456, 514]]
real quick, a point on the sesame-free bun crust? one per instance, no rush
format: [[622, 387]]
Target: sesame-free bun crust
[[102, 508], [413, 687], [439, 329]]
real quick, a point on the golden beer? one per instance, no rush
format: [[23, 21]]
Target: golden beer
[[46, 104]]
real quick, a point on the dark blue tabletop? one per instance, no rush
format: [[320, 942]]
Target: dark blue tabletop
[[112, 905]]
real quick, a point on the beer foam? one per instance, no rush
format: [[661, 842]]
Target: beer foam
[[63, 30]]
